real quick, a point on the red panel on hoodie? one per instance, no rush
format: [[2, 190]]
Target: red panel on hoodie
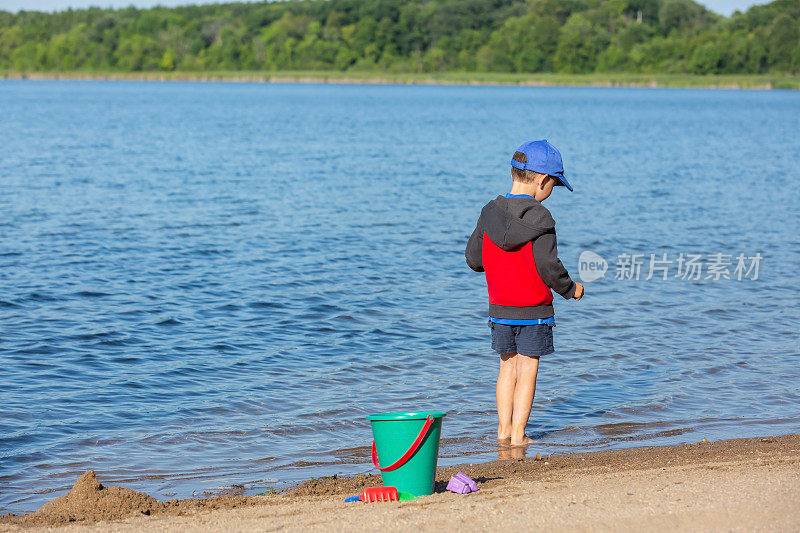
[[511, 276]]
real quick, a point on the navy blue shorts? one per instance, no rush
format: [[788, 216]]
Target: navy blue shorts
[[534, 340]]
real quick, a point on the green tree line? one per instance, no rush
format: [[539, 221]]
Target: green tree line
[[569, 36]]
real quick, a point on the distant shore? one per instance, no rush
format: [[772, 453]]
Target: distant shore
[[732, 81], [734, 484]]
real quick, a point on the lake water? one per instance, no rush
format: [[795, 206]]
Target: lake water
[[207, 286]]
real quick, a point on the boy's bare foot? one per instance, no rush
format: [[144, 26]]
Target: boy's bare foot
[[524, 442], [503, 434]]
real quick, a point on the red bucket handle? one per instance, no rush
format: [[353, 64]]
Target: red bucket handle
[[411, 451]]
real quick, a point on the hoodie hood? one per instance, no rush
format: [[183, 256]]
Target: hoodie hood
[[512, 222]]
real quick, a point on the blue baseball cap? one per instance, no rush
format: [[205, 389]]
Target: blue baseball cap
[[543, 158]]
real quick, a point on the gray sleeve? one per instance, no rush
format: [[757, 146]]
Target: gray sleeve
[[549, 266], [474, 252]]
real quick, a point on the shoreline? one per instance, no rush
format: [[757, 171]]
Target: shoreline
[[677, 486], [623, 80]]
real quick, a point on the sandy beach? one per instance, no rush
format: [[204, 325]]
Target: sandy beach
[[742, 484]]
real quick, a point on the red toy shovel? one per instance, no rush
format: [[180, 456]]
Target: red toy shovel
[[380, 494]]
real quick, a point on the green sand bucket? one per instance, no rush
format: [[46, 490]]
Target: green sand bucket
[[408, 446]]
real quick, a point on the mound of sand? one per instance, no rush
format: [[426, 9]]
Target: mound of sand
[[90, 501]]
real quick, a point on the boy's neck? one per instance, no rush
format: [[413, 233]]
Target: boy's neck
[[517, 187]]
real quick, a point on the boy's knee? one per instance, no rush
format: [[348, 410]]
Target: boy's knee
[[511, 372]]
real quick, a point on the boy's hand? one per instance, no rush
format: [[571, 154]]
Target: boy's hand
[[578, 291]]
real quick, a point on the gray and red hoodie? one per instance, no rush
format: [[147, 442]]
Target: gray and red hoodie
[[514, 243]]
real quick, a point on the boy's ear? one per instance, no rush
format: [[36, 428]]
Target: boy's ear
[[542, 180]]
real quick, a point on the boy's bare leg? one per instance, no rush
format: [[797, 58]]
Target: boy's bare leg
[[506, 381], [527, 369]]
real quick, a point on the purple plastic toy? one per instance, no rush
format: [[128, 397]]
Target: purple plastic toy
[[461, 484]]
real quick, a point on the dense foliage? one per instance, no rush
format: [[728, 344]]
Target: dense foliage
[[573, 36]]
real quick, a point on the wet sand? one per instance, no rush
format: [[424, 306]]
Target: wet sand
[[727, 485]]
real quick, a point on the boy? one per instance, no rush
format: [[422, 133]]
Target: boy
[[514, 243]]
